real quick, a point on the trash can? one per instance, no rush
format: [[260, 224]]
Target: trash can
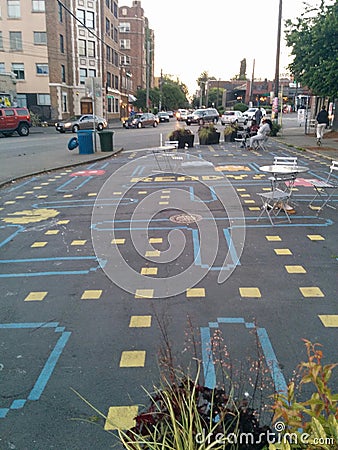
[[85, 139], [106, 140]]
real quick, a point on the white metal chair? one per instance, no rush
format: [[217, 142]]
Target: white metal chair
[[171, 144], [285, 160], [276, 180], [261, 143], [326, 189], [274, 202]]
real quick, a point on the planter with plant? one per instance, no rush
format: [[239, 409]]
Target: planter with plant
[[230, 132], [184, 136], [208, 134]]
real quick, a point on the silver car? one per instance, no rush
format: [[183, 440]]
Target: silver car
[[84, 122]]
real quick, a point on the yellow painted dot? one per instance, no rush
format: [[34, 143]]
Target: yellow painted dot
[[20, 196], [51, 232], [1, 209], [144, 293], [295, 269], [35, 296], [312, 291], [163, 203], [92, 194], [42, 196], [39, 244], [142, 192], [133, 358], [249, 202], [266, 189], [241, 190], [37, 187], [273, 238], [78, 242], [121, 418], [329, 321], [91, 295], [118, 241], [245, 195], [165, 196], [10, 202], [315, 237], [117, 193], [195, 292], [254, 208], [58, 176], [166, 192], [68, 196], [149, 271], [250, 292], [153, 253], [62, 222], [140, 322], [155, 240], [282, 251], [28, 192], [44, 184]]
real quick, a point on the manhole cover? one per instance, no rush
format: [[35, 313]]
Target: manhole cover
[[186, 218]]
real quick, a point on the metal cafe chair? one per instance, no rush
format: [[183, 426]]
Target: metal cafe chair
[[274, 202], [276, 180], [325, 189]]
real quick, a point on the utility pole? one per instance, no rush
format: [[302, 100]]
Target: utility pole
[[161, 82], [147, 73], [252, 82], [275, 105]]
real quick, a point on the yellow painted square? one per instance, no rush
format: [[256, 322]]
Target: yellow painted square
[[273, 238], [62, 222], [195, 292], [121, 418], [78, 242], [245, 195], [329, 321], [144, 293], [149, 271], [311, 291], [295, 269], [166, 192], [282, 251], [42, 196], [254, 208], [44, 184], [249, 202], [39, 244], [118, 241], [250, 292], [315, 237], [153, 253], [37, 187], [241, 190], [91, 295], [68, 196], [165, 196], [163, 203], [140, 322], [10, 202], [35, 296], [142, 192], [28, 192], [92, 194], [117, 193], [1, 209], [51, 232], [266, 189], [58, 176], [133, 358], [20, 196], [155, 240]]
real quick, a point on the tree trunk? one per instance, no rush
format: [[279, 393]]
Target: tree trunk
[[335, 120]]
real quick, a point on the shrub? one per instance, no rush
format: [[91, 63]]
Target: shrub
[[240, 107], [179, 132]]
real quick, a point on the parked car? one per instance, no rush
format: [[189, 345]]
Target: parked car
[[15, 119], [163, 116], [142, 120], [233, 117], [249, 113], [182, 114], [202, 116], [170, 114], [84, 122]]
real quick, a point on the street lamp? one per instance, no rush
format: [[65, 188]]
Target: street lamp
[[275, 102]]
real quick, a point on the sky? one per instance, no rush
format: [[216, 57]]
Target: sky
[[193, 36]]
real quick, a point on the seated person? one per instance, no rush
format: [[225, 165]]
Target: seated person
[[262, 133], [250, 131]]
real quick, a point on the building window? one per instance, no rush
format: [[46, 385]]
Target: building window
[[63, 73], [2, 67], [115, 9], [124, 11], [86, 18], [108, 27], [60, 12], [108, 79], [19, 70], [92, 72], [42, 69], [116, 33], [38, 5], [116, 59], [108, 53], [125, 44], [124, 27], [1, 41], [82, 47], [64, 102], [15, 40], [116, 82], [83, 76], [80, 15], [44, 99], [40, 38], [116, 105], [62, 44], [125, 60], [90, 19], [21, 100], [13, 9], [109, 104], [91, 49]]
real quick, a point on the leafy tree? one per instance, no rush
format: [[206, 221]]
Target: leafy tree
[[202, 83], [313, 38]]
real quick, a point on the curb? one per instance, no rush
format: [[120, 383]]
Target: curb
[[304, 149], [75, 164]]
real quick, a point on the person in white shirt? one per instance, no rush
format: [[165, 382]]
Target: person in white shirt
[[261, 135]]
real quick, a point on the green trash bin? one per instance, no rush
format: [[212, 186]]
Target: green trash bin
[[106, 140]]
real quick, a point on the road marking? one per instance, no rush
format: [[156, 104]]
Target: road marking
[[252, 292], [62, 222], [155, 240], [282, 251], [78, 242], [52, 232], [35, 296], [121, 417], [312, 291], [39, 244], [149, 271], [118, 241], [195, 292], [133, 358], [153, 254], [295, 269], [144, 293], [273, 238], [91, 295], [329, 320], [315, 237], [140, 322]]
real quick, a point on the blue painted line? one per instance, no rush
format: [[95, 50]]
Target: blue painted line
[[231, 247], [13, 326], [65, 258], [3, 412], [18, 404], [43, 274], [104, 165], [85, 181], [230, 320], [271, 360], [49, 367], [12, 236], [196, 247], [135, 171], [71, 180], [22, 184], [207, 361]]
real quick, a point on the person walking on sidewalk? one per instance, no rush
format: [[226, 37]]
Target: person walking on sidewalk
[[322, 122]]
